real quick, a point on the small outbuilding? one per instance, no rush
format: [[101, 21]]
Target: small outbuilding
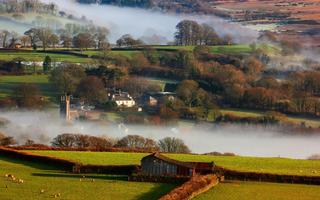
[[159, 165]]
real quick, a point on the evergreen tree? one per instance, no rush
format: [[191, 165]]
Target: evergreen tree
[[47, 64]]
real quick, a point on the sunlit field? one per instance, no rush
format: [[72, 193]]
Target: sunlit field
[[237, 190], [246, 164], [39, 57], [43, 182], [8, 83]]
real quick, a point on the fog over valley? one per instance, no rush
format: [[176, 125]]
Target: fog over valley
[[151, 26], [42, 127]]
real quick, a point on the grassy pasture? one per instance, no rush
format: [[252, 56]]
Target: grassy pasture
[[246, 164], [222, 49], [237, 190], [39, 177], [312, 122], [126, 53], [8, 83], [39, 57]]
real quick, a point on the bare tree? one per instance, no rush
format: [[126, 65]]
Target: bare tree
[[101, 37], [83, 41], [136, 142], [4, 36], [64, 140], [44, 35], [173, 145], [32, 34], [66, 40], [25, 40], [54, 40], [13, 39], [8, 141]]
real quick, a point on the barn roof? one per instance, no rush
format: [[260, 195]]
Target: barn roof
[[190, 165]]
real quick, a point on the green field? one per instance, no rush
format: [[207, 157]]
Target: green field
[[8, 83], [237, 190], [246, 164], [38, 177], [99, 53], [57, 57], [39, 57], [221, 49], [312, 122]]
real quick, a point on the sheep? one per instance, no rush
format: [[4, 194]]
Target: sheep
[[42, 191], [9, 176], [20, 181], [6, 175], [56, 195]]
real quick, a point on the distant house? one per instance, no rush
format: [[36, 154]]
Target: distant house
[[158, 165], [122, 99], [18, 46], [156, 98]]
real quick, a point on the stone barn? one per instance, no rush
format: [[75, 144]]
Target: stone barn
[[159, 165]]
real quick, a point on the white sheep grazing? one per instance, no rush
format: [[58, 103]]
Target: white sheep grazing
[[6, 175], [42, 191], [56, 195], [21, 181]]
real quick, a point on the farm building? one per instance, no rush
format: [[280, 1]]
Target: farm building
[[159, 165], [18, 46], [156, 98]]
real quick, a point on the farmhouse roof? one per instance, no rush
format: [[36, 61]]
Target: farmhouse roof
[[122, 98], [190, 165]]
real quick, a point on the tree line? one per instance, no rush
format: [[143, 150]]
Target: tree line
[[192, 33], [72, 36], [129, 142], [26, 6]]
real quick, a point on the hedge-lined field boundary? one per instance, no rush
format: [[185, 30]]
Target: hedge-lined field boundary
[[49, 148], [69, 165], [76, 167], [267, 177], [25, 156], [192, 188]]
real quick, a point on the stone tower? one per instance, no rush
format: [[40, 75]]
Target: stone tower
[[65, 107]]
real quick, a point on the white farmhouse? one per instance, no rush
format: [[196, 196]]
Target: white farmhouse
[[123, 99]]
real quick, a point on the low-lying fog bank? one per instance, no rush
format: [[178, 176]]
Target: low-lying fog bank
[[151, 26], [43, 126]]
